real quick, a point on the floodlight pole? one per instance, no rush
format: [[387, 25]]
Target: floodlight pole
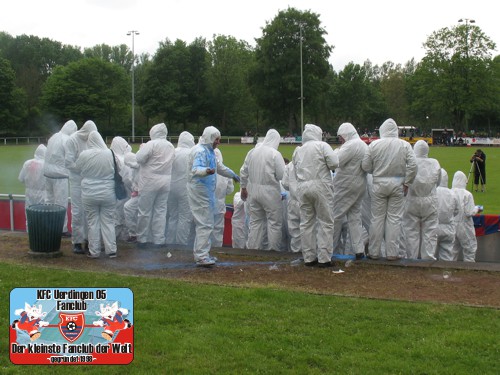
[[133, 33], [467, 21]]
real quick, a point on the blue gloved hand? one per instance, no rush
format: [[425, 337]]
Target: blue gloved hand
[[236, 178]]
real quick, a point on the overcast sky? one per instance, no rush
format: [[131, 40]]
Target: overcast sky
[[385, 30]]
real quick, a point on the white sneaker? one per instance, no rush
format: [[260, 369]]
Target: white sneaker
[[205, 262]]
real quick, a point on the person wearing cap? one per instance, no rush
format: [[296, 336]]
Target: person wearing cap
[[479, 160]]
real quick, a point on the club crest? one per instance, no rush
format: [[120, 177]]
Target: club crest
[[71, 325]]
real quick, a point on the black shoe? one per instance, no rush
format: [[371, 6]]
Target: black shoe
[[325, 265], [78, 249], [66, 234], [112, 255], [311, 264], [360, 256]]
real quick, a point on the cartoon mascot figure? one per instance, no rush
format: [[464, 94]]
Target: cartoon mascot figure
[[31, 320], [112, 320]]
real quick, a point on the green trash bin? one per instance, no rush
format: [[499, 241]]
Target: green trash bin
[[45, 225]]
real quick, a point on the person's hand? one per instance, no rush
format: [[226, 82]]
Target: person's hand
[[210, 170], [236, 178], [244, 194]]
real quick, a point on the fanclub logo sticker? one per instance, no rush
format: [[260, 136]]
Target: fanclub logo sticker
[[71, 326]]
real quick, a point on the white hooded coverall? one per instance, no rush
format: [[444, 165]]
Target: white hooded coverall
[[130, 207], [201, 190], [223, 188], [180, 227], [313, 163], [96, 168], [289, 183], [239, 223], [31, 175], [57, 181], [447, 210], [120, 147], [420, 218], [74, 146], [465, 240], [349, 188], [392, 163], [261, 173], [155, 159]]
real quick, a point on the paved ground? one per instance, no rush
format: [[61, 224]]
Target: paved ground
[[475, 284]]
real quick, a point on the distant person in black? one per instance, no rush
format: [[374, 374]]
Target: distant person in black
[[479, 160]]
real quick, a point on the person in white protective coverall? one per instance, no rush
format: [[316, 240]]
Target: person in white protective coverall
[[261, 173], [74, 146], [465, 240], [180, 222], [97, 170], [120, 147], [393, 165], [420, 217], [239, 223], [155, 159], [202, 180], [223, 187], [130, 208], [289, 183], [349, 188], [313, 163], [447, 210], [57, 181], [31, 175]]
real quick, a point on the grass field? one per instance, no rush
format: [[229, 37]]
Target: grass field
[[187, 328], [450, 158]]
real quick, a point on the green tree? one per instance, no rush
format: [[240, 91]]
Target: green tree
[[11, 100], [33, 60], [452, 80], [90, 89], [275, 80], [120, 55], [232, 106], [174, 87]]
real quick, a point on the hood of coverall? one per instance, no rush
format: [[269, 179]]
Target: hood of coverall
[[186, 140], [95, 141], [347, 131], [421, 149], [120, 146], [85, 130], [40, 152], [444, 178], [272, 139], [69, 127], [158, 131], [459, 180], [311, 133], [389, 129], [130, 160], [210, 134]]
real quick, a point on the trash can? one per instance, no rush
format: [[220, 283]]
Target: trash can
[[45, 225]]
